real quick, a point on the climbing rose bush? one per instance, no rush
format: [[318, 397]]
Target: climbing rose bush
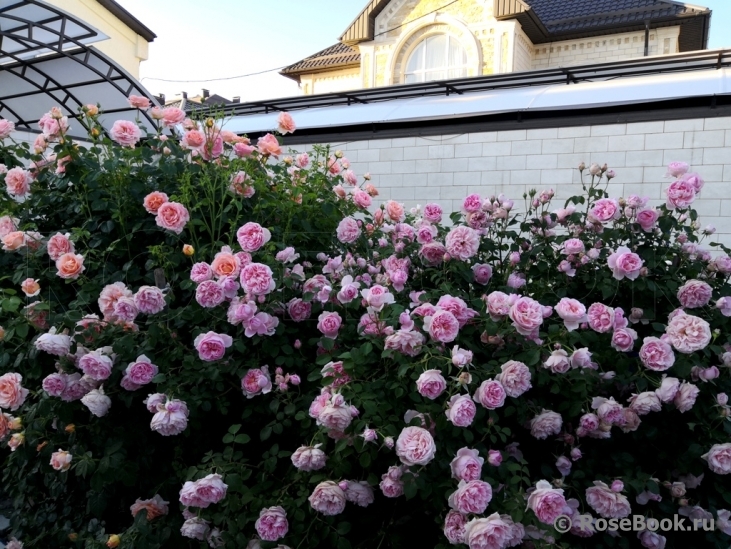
[[209, 341]]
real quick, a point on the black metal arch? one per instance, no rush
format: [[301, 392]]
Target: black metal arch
[[40, 49]]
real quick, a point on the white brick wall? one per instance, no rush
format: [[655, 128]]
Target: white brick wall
[[447, 168]]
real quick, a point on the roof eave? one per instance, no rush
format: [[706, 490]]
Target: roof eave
[[295, 73], [128, 19]]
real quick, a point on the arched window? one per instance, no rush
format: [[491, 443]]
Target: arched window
[[437, 57]]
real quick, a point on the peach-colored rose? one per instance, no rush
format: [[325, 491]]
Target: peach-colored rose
[[30, 287], [13, 241], [172, 216], [154, 507], [172, 116], [18, 182], [225, 264], [154, 200], [188, 250], [91, 110], [395, 211], [61, 460], [70, 266], [269, 145], [285, 123], [12, 394], [139, 102], [7, 225]]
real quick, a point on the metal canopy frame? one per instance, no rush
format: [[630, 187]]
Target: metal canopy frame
[[46, 60], [704, 60]]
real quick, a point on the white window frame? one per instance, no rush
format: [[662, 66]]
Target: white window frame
[[423, 71]]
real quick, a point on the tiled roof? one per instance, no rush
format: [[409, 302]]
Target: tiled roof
[[337, 55]]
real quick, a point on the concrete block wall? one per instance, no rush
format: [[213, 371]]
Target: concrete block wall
[[445, 169]]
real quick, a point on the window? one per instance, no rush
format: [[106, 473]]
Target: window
[[436, 58]]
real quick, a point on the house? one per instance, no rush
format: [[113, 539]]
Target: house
[[205, 100], [407, 41], [128, 38]]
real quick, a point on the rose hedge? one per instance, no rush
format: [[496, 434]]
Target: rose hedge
[[207, 343]]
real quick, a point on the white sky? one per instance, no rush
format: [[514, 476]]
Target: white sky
[[212, 39]]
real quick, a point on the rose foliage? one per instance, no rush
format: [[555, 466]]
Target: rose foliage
[[208, 343]]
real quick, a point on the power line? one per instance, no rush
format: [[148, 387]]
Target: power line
[[285, 66]]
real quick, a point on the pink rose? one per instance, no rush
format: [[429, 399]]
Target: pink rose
[[558, 362], [458, 308], [96, 364], [573, 246], [624, 263], [172, 116], [494, 458], [467, 465], [149, 300], [442, 326], [461, 357], [60, 461], [482, 273], [668, 389], [58, 245], [677, 169], [644, 403], [572, 312], [172, 216], [252, 236], [499, 304], [606, 502], [285, 124], [171, 418], [719, 458], [309, 458], [433, 213], [680, 194], [694, 294], [695, 181], [97, 402], [257, 381], [431, 384], [6, 128], [154, 507], [489, 533], [203, 492], [299, 310], [608, 410], [209, 294], [328, 498], [272, 522], [257, 279], [17, 182], [545, 424], [395, 211], [601, 317], [268, 145], [361, 198], [581, 358], [527, 315], [433, 253], [688, 333], [359, 492], [70, 266], [546, 502], [54, 343], [686, 396], [141, 371], [9, 224], [200, 272], [515, 378], [491, 394], [139, 102], [329, 323], [54, 384], [461, 410], [647, 219], [415, 446], [212, 346], [243, 150], [651, 540], [12, 394], [623, 339], [348, 230], [335, 415], [605, 209], [454, 527], [462, 243], [471, 497], [125, 132], [472, 203]]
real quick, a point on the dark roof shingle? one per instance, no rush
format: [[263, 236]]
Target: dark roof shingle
[[337, 55]]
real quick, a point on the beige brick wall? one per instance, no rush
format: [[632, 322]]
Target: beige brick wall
[[445, 169]]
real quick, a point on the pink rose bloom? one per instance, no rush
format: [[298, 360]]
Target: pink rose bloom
[[624, 263], [608, 410], [677, 169], [200, 272], [431, 384], [558, 362], [651, 540], [546, 502], [70, 266], [195, 528], [335, 415], [96, 365], [581, 358], [212, 346], [415, 446], [139, 102], [573, 246], [605, 209], [623, 339], [9, 224], [606, 502], [171, 418], [97, 402], [461, 410], [141, 371], [458, 308], [17, 182], [454, 527], [694, 294], [589, 422], [328, 498], [209, 294], [172, 116], [471, 204], [209, 489], [462, 243], [257, 381], [268, 145], [688, 333], [193, 140], [724, 306], [12, 394], [243, 150], [489, 533], [461, 357], [348, 230], [471, 497], [680, 194], [668, 389], [644, 403], [125, 310], [257, 279], [467, 465], [154, 507], [647, 219], [58, 245], [361, 198], [601, 317], [695, 180], [299, 310], [442, 326], [359, 492], [686, 396], [54, 343], [482, 273], [125, 133], [329, 323], [407, 342], [252, 236], [499, 304], [54, 385], [6, 128], [395, 211], [285, 124], [309, 458], [349, 290], [149, 300], [272, 522], [719, 458], [60, 461], [545, 424], [494, 458], [515, 378], [572, 312], [433, 253], [491, 394], [172, 216], [527, 315], [433, 213]]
